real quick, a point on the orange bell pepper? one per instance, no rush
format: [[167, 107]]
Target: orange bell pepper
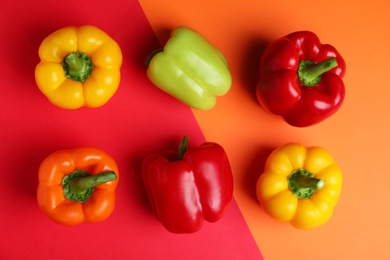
[[77, 185]]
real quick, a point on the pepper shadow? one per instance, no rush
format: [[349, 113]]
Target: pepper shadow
[[34, 150], [28, 41], [131, 176], [146, 44], [24, 180], [255, 169], [135, 157], [250, 64]]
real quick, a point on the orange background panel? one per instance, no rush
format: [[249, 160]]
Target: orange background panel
[[357, 135]]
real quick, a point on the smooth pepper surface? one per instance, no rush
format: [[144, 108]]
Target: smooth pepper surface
[[77, 185], [300, 185], [190, 69], [301, 79], [187, 187], [80, 66]]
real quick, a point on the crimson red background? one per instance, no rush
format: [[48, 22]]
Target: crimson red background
[[138, 120]]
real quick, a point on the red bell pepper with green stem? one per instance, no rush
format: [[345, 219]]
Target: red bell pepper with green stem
[[189, 186], [301, 79]]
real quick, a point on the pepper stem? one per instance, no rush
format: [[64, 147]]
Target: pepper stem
[[151, 55], [303, 184], [77, 66], [309, 72], [183, 147], [79, 185]]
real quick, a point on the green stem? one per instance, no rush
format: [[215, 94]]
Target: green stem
[[151, 55], [183, 147], [303, 184], [79, 185], [77, 66], [309, 72]]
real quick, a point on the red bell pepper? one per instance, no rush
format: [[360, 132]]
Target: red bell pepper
[[301, 79], [189, 186]]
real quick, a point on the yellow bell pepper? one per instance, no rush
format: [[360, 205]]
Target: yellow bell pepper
[[79, 66], [300, 185]]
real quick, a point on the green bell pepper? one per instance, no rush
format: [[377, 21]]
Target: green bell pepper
[[190, 69]]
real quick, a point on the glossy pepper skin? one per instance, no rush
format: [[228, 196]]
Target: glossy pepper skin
[[79, 66], [301, 79], [190, 69], [300, 185], [77, 185], [187, 187]]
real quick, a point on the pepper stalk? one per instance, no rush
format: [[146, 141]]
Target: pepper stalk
[[79, 185], [303, 184], [77, 66], [182, 147], [309, 72]]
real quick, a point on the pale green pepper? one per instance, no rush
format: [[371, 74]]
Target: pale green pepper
[[190, 69]]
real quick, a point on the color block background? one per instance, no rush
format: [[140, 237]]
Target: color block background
[[140, 120], [357, 135]]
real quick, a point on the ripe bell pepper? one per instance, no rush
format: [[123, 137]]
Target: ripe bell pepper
[[190, 69], [77, 185], [301, 79], [78, 67], [187, 187], [300, 185]]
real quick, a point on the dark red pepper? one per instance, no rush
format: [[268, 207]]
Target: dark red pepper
[[301, 79], [187, 187]]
